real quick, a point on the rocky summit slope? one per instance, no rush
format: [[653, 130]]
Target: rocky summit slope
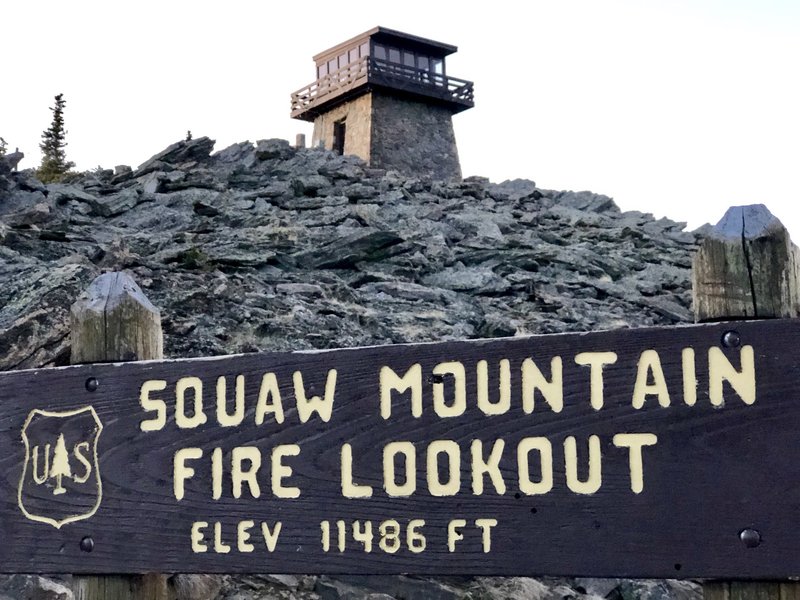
[[270, 248], [266, 247]]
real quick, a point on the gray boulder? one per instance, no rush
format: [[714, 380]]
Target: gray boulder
[[197, 150]]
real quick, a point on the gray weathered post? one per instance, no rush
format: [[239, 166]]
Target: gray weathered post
[[747, 267], [114, 321]]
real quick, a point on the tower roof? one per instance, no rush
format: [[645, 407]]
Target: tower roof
[[391, 36]]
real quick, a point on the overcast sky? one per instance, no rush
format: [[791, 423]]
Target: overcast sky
[[679, 108]]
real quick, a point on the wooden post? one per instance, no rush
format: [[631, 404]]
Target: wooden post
[[114, 321], [747, 268]]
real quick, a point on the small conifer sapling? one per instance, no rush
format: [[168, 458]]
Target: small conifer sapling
[[54, 158]]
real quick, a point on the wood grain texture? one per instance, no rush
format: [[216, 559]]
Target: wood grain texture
[[122, 587], [751, 590], [114, 321], [747, 267], [715, 470]]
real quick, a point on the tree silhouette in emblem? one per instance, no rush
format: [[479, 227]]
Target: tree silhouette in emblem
[[60, 466]]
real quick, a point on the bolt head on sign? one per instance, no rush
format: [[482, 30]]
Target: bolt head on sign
[[60, 480]]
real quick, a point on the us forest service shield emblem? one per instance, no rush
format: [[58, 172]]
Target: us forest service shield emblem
[[60, 480]]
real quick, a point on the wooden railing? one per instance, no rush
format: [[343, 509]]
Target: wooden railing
[[451, 88], [333, 83], [368, 69]]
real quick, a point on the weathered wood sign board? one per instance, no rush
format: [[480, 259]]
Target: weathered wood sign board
[[654, 452]]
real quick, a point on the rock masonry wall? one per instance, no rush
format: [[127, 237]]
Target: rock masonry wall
[[266, 247], [414, 138], [357, 114]]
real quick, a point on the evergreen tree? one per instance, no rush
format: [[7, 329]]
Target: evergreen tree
[[54, 158], [60, 466], [3, 147]]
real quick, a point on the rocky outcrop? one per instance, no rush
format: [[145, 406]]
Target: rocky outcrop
[[267, 247], [270, 248]]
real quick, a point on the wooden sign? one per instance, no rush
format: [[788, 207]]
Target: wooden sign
[[651, 453]]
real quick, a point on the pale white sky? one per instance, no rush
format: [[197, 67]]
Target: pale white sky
[[681, 107]]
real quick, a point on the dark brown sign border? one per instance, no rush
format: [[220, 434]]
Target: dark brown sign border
[[718, 495]]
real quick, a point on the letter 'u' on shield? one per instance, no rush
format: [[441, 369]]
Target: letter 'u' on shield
[[60, 480]]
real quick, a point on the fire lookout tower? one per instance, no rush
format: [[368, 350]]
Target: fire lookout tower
[[386, 96]]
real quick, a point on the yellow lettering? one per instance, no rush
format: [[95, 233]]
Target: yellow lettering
[[545, 449], [491, 467], [389, 477], [720, 370], [390, 536], [390, 381], [216, 473], [40, 478], [87, 466], [453, 533], [503, 403], [456, 369], [350, 489], [220, 547], [153, 404], [486, 532], [240, 475], [650, 363], [594, 479], [689, 377], [281, 471], [533, 379], [180, 471], [635, 442], [306, 407], [198, 416], [269, 390], [363, 534], [271, 537], [415, 539], [596, 361], [243, 535], [223, 418], [453, 483], [198, 536]]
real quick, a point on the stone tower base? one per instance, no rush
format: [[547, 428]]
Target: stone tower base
[[414, 138]]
